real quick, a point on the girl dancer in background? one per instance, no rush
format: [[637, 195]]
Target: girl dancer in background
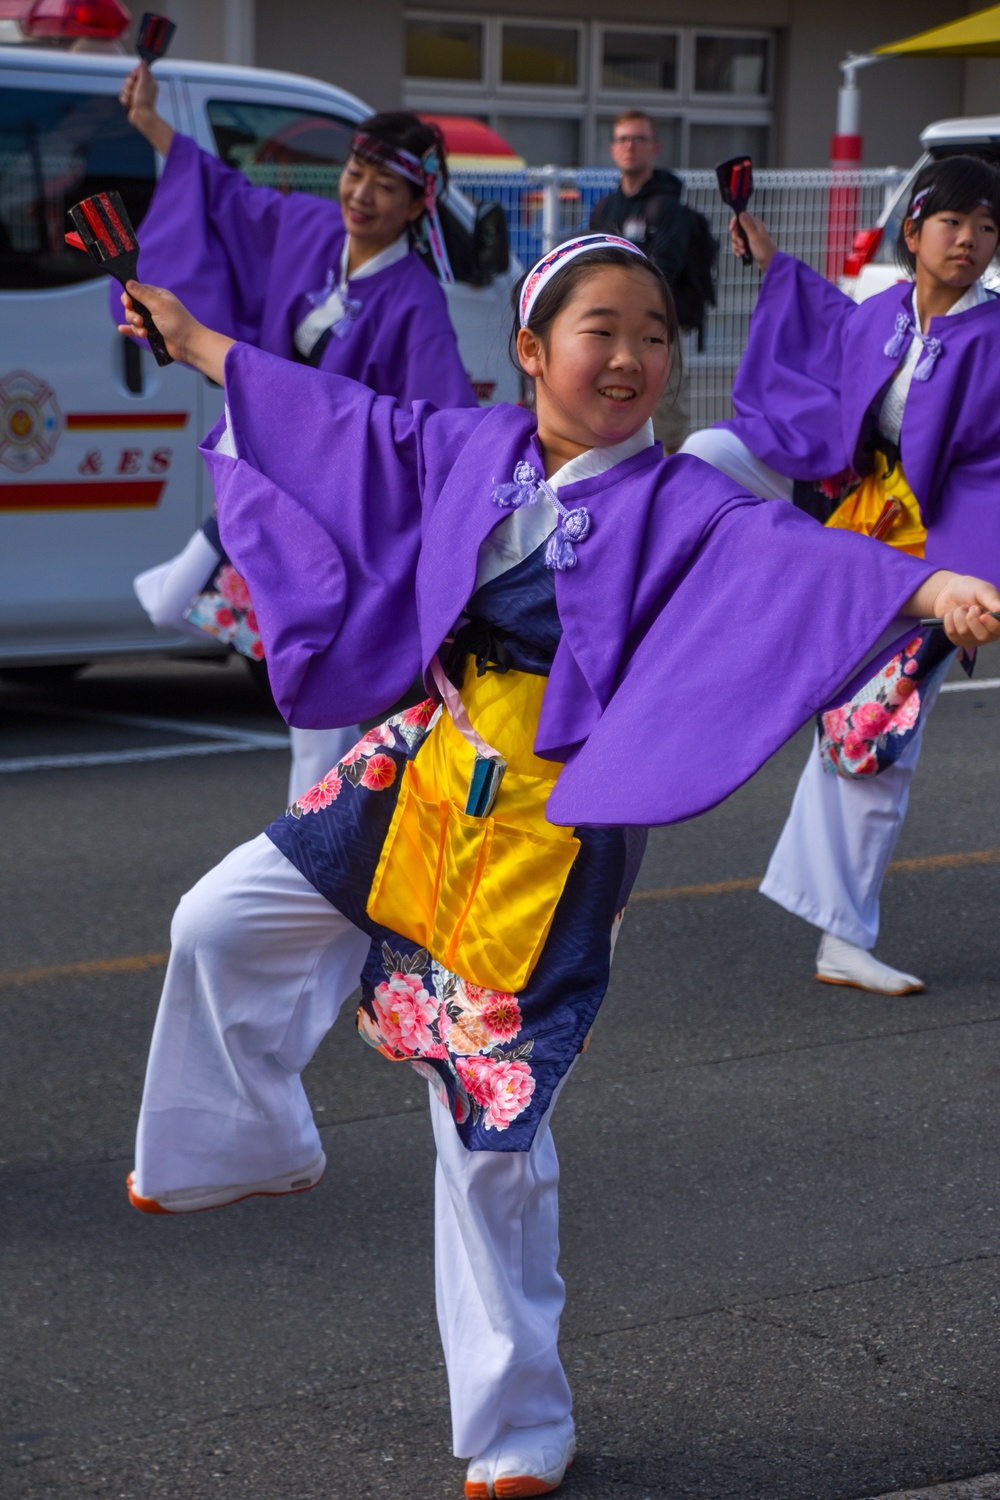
[[339, 286], [574, 601], [906, 381]]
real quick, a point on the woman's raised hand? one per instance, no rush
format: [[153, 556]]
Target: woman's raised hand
[[186, 339], [138, 94], [755, 234]]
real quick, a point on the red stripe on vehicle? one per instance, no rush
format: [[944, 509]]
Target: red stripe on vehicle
[[106, 421], [110, 494]]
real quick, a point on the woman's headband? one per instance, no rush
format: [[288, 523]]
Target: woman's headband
[[425, 173], [550, 265]]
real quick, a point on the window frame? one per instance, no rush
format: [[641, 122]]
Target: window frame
[[543, 91], [701, 98], [601, 95], [464, 85]]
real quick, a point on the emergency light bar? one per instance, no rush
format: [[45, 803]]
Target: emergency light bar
[[96, 20]]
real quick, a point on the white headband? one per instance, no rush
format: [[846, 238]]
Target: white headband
[[543, 271]]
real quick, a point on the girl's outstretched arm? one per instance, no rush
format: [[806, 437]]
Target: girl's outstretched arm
[[186, 339], [965, 604]]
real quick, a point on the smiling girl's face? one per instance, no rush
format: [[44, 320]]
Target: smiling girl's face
[[952, 249], [603, 365]]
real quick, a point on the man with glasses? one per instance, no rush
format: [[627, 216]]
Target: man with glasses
[[646, 208]]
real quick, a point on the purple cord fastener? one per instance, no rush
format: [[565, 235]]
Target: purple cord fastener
[[573, 525], [932, 350]]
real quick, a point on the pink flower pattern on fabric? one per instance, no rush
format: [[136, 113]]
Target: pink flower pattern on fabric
[[502, 1088], [863, 736], [405, 1014], [322, 794], [233, 587]]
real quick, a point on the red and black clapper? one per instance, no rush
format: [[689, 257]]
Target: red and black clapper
[[735, 178], [103, 228], [155, 36]]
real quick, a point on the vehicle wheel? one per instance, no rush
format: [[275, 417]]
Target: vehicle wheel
[[49, 674]]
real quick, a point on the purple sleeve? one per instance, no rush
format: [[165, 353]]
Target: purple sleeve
[[761, 628], [324, 511], [220, 277], [322, 516], [788, 389], [435, 372]]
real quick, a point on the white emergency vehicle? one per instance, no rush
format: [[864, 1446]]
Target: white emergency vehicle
[[100, 475]]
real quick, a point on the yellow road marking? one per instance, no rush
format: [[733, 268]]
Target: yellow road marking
[[665, 893], [751, 882], [90, 966]]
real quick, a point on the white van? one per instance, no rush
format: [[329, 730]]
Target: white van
[[100, 475], [871, 266]]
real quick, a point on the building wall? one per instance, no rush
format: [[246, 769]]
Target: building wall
[[899, 96], [356, 47], [361, 48]]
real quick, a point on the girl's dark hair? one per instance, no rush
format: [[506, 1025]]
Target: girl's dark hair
[[560, 289], [953, 184], [399, 130]]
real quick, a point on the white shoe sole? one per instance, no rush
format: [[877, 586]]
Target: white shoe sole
[[196, 1200], [856, 984]]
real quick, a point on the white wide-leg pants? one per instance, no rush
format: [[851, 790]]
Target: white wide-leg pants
[[260, 966], [830, 861]]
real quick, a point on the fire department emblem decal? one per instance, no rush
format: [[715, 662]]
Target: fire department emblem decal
[[30, 421]]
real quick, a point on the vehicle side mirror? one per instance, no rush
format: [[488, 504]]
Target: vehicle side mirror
[[490, 244]]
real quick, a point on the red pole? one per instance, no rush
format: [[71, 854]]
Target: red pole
[[845, 156]]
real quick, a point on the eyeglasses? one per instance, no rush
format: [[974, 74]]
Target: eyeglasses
[[631, 140]]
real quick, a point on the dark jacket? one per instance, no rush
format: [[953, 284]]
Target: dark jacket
[[653, 218]]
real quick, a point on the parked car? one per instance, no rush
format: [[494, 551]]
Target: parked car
[[871, 266], [100, 475]]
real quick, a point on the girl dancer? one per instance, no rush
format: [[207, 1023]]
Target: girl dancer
[[578, 606], [340, 286], [907, 380]]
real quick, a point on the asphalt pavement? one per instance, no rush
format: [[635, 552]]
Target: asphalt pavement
[[779, 1201]]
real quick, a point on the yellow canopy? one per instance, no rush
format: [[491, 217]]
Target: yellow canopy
[[973, 36]]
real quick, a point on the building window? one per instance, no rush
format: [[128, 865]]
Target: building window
[[553, 89], [552, 139], [541, 56], [643, 61], [709, 143], [730, 65], [440, 48]]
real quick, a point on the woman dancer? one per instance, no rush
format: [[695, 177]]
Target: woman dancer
[[340, 286], [575, 602], [905, 381]]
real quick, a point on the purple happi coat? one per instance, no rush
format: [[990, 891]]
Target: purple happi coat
[[243, 260], [806, 398], [702, 626]]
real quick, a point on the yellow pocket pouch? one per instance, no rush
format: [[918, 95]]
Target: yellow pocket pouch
[[478, 893]]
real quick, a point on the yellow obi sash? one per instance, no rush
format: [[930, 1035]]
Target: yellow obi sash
[[479, 893], [864, 506]]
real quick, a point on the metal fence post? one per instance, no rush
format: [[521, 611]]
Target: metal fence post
[[551, 216]]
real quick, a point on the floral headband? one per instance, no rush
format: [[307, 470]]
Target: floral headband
[[424, 172], [550, 265]]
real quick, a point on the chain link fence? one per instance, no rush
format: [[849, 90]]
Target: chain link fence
[[547, 205]]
